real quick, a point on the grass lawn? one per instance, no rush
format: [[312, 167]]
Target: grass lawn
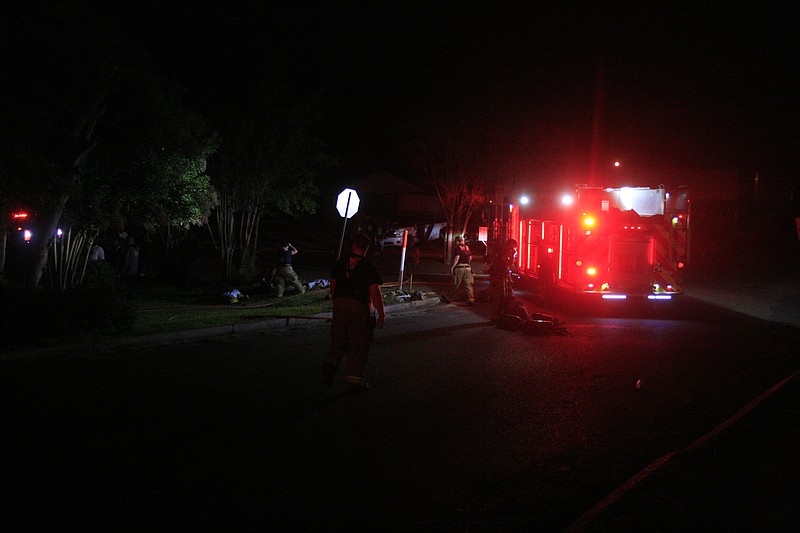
[[158, 306], [164, 308]]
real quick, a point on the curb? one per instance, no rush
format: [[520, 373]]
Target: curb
[[193, 334]]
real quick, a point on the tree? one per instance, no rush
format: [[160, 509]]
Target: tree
[[155, 159], [54, 105], [267, 164], [450, 161], [95, 136]]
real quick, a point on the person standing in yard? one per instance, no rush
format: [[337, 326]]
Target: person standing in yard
[[130, 262], [97, 253], [284, 271], [357, 310]]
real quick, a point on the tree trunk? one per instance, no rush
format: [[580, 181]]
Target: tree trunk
[[448, 245], [42, 249], [82, 136]]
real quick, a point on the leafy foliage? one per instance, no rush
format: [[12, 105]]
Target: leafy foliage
[[92, 137], [267, 165]]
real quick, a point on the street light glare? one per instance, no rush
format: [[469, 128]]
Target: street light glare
[[524, 200], [567, 199]]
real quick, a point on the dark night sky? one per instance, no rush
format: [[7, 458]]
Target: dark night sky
[[676, 85]]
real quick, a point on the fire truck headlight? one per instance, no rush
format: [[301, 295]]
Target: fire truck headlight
[[592, 271], [27, 235]]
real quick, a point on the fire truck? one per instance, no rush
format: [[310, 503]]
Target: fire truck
[[610, 243]]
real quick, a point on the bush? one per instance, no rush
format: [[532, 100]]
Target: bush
[[34, 317], [101, 275]]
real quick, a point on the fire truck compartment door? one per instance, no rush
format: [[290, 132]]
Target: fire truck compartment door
[[630, 263]]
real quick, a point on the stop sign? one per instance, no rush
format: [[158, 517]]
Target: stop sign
[[347, 203]]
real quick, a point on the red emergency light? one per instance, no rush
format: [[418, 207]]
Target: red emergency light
[[20, 215], [679, 220]]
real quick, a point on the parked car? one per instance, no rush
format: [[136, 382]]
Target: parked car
[[393, 236]]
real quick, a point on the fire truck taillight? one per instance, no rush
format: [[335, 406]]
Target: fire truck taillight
[[681, 264], [588, 223], [27, 235]]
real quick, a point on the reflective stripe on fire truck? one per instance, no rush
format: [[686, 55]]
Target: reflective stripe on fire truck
[[667, 274]]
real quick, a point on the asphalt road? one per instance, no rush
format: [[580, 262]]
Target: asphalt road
[[466, 427]]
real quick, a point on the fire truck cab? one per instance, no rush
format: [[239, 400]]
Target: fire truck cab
[[615, 243]]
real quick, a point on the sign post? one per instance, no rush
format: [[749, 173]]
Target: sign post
[[403, 258], [347, 204]]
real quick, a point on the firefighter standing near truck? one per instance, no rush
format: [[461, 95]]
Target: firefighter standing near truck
[[461, 269], [500, 278]]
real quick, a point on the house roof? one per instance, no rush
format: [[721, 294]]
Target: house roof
[[384, 181]]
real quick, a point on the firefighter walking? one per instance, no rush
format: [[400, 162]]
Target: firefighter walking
[[357, 310], [461, 270]]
